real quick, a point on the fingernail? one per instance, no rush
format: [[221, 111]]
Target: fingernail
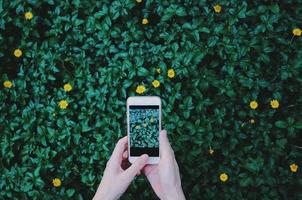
[[163, 133], [145, 157]]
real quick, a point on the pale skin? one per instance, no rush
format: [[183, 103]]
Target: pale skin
[[163, 177]]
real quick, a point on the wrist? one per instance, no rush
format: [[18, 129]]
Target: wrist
[[103, 195], [176, 194]]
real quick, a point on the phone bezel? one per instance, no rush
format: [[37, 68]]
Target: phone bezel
[[143, 101]]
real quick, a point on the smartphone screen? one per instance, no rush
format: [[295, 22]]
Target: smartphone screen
[[144, 130]]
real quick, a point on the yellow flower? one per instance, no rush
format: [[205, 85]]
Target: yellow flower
[[138, 1], [145, 125], [155, 83], [158, 70], [253, 105], [274, 103], [297, 32], [252, 121], [223, 177], [217, 8], [28, 15], [67, 87], [145, 21], [137, 127], [56, 182], [293, 167], [18, 53], [152, 120], [140, 89], [211, 151], [63, 104], [171, 73], [7, 84]]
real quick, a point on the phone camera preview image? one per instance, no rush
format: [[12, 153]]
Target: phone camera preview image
[[144, 130]]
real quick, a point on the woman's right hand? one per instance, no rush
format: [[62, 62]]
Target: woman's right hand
[[164, 177]]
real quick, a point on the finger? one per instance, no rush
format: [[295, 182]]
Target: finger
[[164, 145], [149, 168], [125, 155], [119, 149], [136, 167]]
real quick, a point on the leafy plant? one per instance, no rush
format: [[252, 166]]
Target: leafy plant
[[212, 58]]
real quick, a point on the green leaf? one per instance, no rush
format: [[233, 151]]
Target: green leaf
[[212, 41], [142, 72], [298, 125], [51, 77], [281, 124], [275, 8], [205, 30], [85, 126], [280, 143], [181, 12], [70, 192], [244, 182], [242, 12]]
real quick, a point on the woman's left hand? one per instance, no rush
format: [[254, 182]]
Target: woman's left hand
[[116, 180]]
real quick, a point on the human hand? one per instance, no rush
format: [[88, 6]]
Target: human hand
[[164, 177], [116, 180]]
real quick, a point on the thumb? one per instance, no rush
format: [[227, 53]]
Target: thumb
[[136, 167]]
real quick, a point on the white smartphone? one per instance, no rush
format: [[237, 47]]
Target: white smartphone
[[144, 125]]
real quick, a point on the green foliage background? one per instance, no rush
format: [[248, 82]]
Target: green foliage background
[[222, 62]]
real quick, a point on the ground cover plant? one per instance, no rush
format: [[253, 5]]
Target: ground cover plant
[[228, 72]]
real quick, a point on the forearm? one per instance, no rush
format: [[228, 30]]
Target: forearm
[[177, 194], [102, 194]]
